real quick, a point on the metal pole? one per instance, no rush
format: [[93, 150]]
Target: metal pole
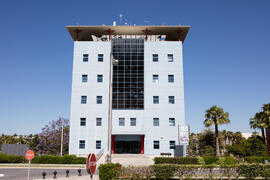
[[110, 111], [62, 134], [28, 174]]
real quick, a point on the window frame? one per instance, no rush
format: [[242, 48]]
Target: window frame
[[172, 144], [98, 78], [170, 58], [155, 78], [173, 120], [84, 78], [98, 144]]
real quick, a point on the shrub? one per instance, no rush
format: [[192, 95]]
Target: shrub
[[256, 159], [229, 161], [66, 159], [211, 159], [4, 158], [176, 160], [164, 171], [109, 171], [250, 171]]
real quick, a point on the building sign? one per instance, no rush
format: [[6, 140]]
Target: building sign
[[183, 135]]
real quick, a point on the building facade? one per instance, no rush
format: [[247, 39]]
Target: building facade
[[143, 68]]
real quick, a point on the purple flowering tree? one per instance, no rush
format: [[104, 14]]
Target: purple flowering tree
[[50, 138]]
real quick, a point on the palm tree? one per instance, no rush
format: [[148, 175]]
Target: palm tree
[[216, 116], [266, 120], [258, 122]]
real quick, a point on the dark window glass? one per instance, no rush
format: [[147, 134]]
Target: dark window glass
[[83, 121], [82, 144], [121, 121], [100, 57], [99, 78], [155, 121], [99, 99], [155, 78], [132, 121], [85, 57], [171, 99], [170, 78], [98, 144], [128, 74], [84, 78], [156, 144], [155, 99], [170, 57], [155, 57], [172, 144], [83, 99], [171, 121], [99, 121]]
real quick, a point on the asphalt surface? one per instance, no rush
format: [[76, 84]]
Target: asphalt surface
[[36, 173]]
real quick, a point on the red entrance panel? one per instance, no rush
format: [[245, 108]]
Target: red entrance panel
[[142, 144], [112, 144]]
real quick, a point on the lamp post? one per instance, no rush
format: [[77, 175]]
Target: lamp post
[[112, 63]]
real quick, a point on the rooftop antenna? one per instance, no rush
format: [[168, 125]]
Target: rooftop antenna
[[120, 16]]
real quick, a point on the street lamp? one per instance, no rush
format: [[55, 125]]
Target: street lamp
[[112, 63]]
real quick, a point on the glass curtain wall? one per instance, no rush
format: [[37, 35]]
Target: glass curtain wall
[[128, 74]]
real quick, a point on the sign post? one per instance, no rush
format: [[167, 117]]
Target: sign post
[[29, 155], [91, 165]]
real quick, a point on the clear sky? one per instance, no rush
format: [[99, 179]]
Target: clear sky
[[226, 55]]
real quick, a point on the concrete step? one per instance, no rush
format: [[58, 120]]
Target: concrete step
[[133, 159]]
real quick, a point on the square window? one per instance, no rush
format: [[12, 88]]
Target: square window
[[155, 121], [98, 144], [170, 57], [83, 99], [171, 122], [155, 99], [100, 57], [99, 99], [83, 121], [82, 144], [172, 144], [155, 57], [171, 78], [84, 78], [132, 121], [121, 121], [156, 144], [99, 78], [85, 57], [99, 121], [155, 78], [171, 99]]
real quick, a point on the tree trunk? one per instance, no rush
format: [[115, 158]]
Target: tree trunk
[[268, 140], [217, 140], [263, 136]]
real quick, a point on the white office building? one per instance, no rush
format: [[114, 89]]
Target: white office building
[[145, 67]]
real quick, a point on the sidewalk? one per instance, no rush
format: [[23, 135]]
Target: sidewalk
[[47, 166], [95, 177]]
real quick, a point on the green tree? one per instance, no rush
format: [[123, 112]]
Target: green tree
[[216, 116], [257, 122], [266, 120]]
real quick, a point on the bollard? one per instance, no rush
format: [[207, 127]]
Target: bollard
[[43, 175], [67, 172], [54, 174], [79, 171]]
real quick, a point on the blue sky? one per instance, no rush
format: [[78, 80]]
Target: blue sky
[[226, 55]]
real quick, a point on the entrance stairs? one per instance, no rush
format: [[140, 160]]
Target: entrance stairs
[[133, 159]]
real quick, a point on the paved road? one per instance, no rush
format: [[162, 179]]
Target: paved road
[[35, 173]]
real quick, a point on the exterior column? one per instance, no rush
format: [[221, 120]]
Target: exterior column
[[112, 144], [142, 144]]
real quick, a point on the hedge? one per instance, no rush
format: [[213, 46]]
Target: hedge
[[47, 159], [256, 159], [211, 160], [176, 160], [109, 171], [4, 158]]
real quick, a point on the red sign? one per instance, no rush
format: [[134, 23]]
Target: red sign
[[29, 155], [91, 164]]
